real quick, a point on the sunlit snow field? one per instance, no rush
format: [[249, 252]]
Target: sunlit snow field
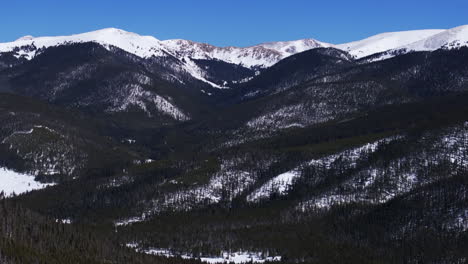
[[12, 182]]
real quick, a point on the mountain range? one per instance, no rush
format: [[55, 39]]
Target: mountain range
[[121, 148], [259, 56]]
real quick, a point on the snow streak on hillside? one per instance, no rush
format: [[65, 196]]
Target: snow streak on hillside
[[379, 183], [281, 184]]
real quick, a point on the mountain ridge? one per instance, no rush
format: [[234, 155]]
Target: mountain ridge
[[310, 160], [260, 56]]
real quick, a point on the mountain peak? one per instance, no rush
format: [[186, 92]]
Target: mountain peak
[[295, 46], [114, 31], [27, 37], [386, 41], [459, 28]]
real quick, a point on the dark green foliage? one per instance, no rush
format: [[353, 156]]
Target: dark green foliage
[[27, 237]]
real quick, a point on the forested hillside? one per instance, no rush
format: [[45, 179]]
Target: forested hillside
[[119, 148]]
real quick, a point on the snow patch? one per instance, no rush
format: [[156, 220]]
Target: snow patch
[[65, 221], [279, 184], [12, 182]]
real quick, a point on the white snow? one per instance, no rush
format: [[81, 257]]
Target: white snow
[[282, 183], [12, 182], [212, 192], [447, 39], [135, 95], [279, 184], [351, 156], [65, 221], [408, 41], [129, 221], [262, 55], [142, 46], [386, 41], [379, 184], [197, 73], [225, 257], [229, 182], [240, 257]]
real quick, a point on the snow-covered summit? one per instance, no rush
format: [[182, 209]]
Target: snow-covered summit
[[261, 55], [143, 46], [407, 41], [292, 47], [447, 39], [28, 37], [386, 41]]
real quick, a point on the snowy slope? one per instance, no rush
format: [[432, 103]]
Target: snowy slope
[[262, 55], [279, 184], [16, 183], [386, 41], [393, 43], [447, 39]]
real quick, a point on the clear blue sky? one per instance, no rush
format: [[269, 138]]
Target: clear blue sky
[[230, 22]]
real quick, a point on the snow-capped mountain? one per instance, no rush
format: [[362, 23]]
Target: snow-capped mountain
[[259, 56], [394, 43], [262, 55], [142, 46], [447, 39]]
